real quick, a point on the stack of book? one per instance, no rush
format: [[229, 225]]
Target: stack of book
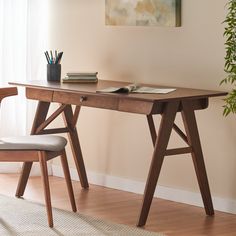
[[80, 77]]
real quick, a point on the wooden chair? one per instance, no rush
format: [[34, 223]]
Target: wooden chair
[[36, 148]]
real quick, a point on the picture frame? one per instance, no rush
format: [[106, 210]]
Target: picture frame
[[143, 13]]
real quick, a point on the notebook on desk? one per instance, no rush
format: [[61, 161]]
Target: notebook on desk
[[135, 88]]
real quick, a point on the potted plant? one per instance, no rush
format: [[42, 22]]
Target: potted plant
[[230, 57]]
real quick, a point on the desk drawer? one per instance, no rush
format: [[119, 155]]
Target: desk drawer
[[135, 106], [39, 94], [86, 100]]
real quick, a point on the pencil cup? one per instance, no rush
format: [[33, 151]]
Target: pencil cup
[[54, 72]]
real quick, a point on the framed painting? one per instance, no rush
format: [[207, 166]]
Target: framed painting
[[143, 12]]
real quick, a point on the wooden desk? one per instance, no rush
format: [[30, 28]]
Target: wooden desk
[[182, 100]]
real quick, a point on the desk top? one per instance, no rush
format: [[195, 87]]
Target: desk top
[[179, 93]]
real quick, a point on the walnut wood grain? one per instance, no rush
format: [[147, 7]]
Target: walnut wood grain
[[66, 171], [45, 181], [6, 92], [13, 155], [180, 133], [86, 89], [162, 140], [51, 118], [75, 146], [75, 116], [39, 94], [152, 129], [54, 131], [40, 116], [177, 151], [190, 125], [83, 99], [135, 106]]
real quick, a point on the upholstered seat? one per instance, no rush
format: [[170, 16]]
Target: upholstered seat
[[33, 142]]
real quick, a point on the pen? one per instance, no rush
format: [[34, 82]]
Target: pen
[[51, 59], [51, 56], [47, 57], [58, 59]]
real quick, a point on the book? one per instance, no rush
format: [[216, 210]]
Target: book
[[83, 74], [134, 88], [80, 80], [80, 77]]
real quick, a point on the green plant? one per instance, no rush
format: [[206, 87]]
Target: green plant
[[230, 57]]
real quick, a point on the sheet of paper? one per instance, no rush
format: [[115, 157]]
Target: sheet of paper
[[153, 90], [137, 89], [109, 90]]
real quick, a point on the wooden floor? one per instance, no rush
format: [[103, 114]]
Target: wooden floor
[[122, 207]]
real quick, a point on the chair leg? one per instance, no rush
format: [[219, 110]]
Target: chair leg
[[23, 179], [68, 179], [44, 172]]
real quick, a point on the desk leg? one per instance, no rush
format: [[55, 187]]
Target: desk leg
[[40, 116], [190, 125], [152, 129], [75, 145], [162, 140]]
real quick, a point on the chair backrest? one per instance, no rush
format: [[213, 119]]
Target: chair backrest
[[6, 92]]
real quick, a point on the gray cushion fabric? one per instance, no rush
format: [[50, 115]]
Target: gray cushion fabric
[[34, 142]]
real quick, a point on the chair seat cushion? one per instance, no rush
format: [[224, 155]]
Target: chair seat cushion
[[33, 142]]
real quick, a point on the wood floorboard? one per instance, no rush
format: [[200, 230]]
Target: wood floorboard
[[170, 218]]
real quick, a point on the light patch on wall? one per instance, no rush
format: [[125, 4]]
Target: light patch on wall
[[143, 12]]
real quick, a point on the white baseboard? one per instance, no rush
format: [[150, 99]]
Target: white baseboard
[[177, 195], [13, 167]]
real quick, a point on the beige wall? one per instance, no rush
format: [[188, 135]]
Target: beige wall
[[119, 144]]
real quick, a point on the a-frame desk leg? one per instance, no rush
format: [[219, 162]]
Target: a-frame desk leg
[[191, 129], [40, 116], [70, 121], [162, 140]]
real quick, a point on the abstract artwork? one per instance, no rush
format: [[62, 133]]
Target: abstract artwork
[[143, 12]]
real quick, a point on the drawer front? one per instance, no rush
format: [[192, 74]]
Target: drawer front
[[86, 100], [39, 94], [134, 106]]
